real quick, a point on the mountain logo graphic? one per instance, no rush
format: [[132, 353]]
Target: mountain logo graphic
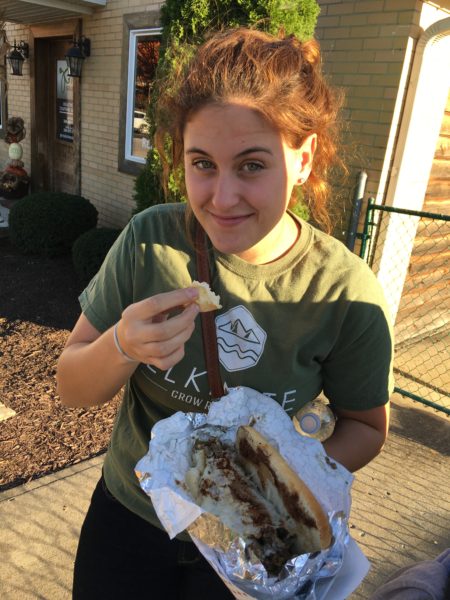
[[240, 339]]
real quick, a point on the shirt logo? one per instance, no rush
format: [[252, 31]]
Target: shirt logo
[[240, 339]]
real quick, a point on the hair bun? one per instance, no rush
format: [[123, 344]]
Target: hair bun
[[311, 52]]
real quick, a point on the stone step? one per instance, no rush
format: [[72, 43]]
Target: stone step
[[5, 412]]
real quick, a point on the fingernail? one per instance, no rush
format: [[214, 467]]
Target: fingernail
[[192, 292]]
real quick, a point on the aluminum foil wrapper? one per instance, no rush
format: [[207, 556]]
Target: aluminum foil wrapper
[[161, 473]]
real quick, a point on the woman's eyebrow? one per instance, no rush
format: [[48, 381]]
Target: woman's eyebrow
[[253, 149], [195, 150]]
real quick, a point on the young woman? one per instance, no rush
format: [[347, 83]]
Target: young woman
[[248, 120]]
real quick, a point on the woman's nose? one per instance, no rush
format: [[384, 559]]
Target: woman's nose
[[226, 191]]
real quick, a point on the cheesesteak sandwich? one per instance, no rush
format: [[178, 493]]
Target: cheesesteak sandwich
[[250, 487]]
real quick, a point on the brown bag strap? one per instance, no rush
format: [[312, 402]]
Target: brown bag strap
[[207, 319]]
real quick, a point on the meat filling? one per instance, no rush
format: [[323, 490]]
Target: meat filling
[[222, 486]]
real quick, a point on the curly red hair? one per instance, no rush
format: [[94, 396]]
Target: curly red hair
[[280, 77]]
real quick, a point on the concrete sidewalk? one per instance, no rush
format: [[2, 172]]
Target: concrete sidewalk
[[400, 514], [39, 526]]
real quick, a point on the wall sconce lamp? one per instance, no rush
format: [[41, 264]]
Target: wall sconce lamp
[[17, 57], [75, 56]]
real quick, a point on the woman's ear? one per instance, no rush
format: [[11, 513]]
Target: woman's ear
[[306, 156]]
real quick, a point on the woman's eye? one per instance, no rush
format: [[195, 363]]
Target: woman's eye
[[203, 164], [252, 167]]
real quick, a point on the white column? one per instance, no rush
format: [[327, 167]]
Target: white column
[[422, 117]]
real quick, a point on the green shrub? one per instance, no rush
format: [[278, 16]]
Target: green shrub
[[90, 249], [300, 208], [187, 20], [148, 189], [47, 223]]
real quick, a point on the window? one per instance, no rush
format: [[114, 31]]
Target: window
[[143, 57]]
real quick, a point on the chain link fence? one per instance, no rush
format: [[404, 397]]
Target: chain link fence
[[410, 253]]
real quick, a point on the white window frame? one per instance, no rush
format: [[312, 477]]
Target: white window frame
[[132, 47], [3, 116]]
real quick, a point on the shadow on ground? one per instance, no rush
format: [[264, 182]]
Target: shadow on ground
[[38, 289], [422, 425]]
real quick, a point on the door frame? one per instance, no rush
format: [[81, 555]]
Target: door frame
[[61, 29]]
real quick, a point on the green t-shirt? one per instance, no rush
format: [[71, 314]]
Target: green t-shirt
[[314, 320]]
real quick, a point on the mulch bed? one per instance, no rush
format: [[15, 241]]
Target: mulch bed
[[38, 308]]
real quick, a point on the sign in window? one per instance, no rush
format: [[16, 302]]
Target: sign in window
[[64, 102]]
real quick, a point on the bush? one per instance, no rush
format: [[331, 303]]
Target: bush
[[148, 189], [90, 249], [48, 223]]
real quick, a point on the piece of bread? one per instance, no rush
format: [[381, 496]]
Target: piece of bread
[[279, 484], [253, 491], [207, 299]]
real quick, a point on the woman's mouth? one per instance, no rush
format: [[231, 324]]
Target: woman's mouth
[[229, 220]]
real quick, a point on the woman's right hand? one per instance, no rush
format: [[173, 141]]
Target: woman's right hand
[[91, 370], [154, 331]]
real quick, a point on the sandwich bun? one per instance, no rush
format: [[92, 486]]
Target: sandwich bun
[[284, 489]]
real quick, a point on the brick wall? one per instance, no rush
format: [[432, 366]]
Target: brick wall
[[364, 45], [102, 182], [368, 48], [18, 97]]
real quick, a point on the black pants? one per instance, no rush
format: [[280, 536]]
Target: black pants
[[122, 557]]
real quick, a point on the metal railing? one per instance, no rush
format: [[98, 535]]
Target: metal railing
[[410, 253]]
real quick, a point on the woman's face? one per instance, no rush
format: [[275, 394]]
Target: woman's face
[[239, 178]]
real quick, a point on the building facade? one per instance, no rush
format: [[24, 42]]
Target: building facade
[[87, 135]]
